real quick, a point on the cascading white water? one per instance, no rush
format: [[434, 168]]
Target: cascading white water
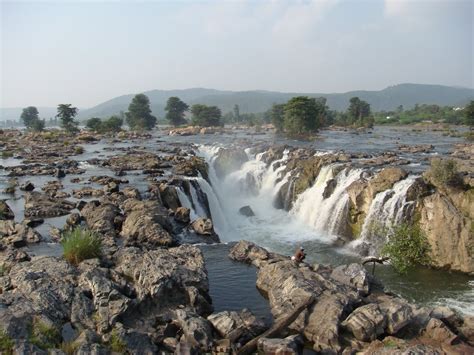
[[388, 208], [326, 214], [186, 202]]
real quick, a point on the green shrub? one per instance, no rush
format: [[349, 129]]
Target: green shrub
[[69, 347], [407, 247], [6, 343], [7, 154], [43, 335], [79, 245], [78, 150], [445, 172], [116, 344]]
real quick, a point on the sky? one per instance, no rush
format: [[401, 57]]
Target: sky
[[86, 52]]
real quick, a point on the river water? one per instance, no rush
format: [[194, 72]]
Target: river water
[[232, 285]]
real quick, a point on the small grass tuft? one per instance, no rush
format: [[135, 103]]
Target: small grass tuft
[[116, 344], [43, 335], [69, 347], [6, 343], [79, 244]]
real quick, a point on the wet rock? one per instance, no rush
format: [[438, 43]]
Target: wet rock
[[291, 345], [385, 180], [246, 211], [203, 226], [52, 186], [229, 160], [237, 327], [366, 322], [59, 173], [5, 211], [146, 224], [330, 187], [41, 205], [169, 196], [33, 222], [250, 253], [194, 166], [27, 186], [182, 215]]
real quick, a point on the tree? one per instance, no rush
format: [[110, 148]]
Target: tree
[[66, 115], [94, 124], [175, 109], [359, 112], [469, 114], [236, 112], [112, 124], [139, 115], [303, 115], [277, 115], [30, 119], [206, 116]]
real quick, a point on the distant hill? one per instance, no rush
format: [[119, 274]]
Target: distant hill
[[258, 101]]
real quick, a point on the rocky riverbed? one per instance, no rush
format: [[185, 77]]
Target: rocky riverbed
[[151, 200]]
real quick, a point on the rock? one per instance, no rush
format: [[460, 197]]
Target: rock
[[59, 173], [146, 224], [27, 186], [194, 166], [229, 160], [111, 188], [73, 219], [398, 313], [5, 211], [182, 215], [438, 331], [16, 234], [330, 187], [246, 211], [251, 253], [385, 180], [237, 327], [197, 331], [169, 196], [185, 131], [354, 275], [41, 205], [87, 192], [131, 192], [33, 222], [203, 226], [288, 346], [366, 322], [100, 218]]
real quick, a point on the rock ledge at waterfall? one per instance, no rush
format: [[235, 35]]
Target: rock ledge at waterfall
[[350, 312]]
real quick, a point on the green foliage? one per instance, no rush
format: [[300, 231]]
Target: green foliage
[[116, 344], [43, 335], [6, 154], [31, 120], [113, 124], [469, 114], [79, 244], [139, 115], [66, 114], [304, 115], [358, 113], [419, 114], [69, 347], [277, 115], [175, 109], [206, 116], [445, 172], [407, 247], [6, 343]]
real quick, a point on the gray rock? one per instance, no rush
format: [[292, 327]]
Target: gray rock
[[354, 275], [246, 211], [5, 211], [197, 331], [27, 186], [366, 322], [42, 205], [237, 327], [291, 345]]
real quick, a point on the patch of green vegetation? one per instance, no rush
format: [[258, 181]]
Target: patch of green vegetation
[[6, 343], [7, 154], [407, 247], [3, 270], [43, 335], [445, 172], [78, 150], [80, 244], [469, 136], [116, 344], [69, 347]]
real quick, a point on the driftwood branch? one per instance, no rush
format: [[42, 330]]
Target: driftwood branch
[[373, 259], [277, 328]]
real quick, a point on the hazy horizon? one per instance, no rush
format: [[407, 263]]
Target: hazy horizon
[[85, 53]]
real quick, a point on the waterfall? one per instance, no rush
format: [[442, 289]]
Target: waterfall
[[186, 202], [387, 209], [326, 214]]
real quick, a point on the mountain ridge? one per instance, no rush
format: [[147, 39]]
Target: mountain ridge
[[406, 94]]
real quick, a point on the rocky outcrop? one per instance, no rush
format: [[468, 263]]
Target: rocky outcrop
[[348, 314], [17, 235], [193, 166], [42, 205], [447, 219], [103, 218], [229, 160]]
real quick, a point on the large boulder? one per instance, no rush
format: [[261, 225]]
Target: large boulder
[[385, 180], [42, 205], [5, 211], [229, 160], [366, 322]]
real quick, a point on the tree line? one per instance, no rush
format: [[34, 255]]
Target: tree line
[[300, 115]]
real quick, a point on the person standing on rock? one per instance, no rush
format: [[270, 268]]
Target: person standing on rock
[[299, 255]]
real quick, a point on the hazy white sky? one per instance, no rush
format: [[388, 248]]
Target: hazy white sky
[[88, 51]]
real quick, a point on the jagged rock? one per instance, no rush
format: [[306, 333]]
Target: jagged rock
[[41, 205], [194, 166], [169, 196], [291, 345], [27, 186], [366, 322], [354, 275], [246, 211], [73, 219], [5, 211], [52, 186], [385, 180], [197, 331], [146, 224], [330, 187], [110, 188], [16, 234], [131, 192], [237, 327], [135, 342], [229, 160], [166, 278], [250, 253], [182, 215], [398, 313], [100, 218], [204, 227], [438, 331]]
